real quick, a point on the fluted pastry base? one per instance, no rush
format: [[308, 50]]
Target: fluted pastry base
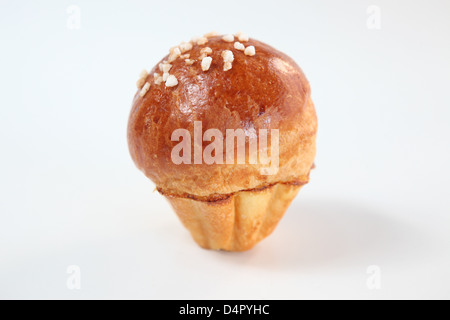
[[238, 222]]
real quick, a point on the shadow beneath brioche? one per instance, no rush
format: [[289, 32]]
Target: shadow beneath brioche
[[330, 233]]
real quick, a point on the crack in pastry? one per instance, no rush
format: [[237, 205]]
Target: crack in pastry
[[222, 197]]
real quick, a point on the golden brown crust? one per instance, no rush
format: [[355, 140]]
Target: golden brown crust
[[264, 91]]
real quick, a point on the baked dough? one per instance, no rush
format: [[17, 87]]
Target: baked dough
[[226, 206]]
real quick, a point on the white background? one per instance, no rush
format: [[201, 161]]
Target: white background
[[70, 194]]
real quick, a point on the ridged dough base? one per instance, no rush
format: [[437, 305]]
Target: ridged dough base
[[240, 221]]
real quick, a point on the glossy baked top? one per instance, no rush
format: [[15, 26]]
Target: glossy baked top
[[267, 90]]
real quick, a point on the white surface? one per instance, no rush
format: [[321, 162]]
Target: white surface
[[72, 196]]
